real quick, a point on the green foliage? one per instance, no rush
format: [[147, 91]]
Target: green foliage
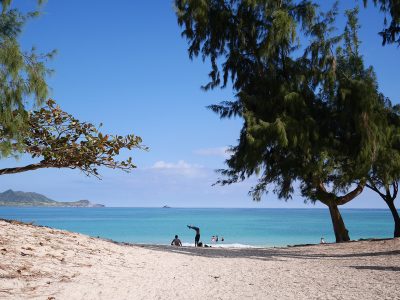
[[311, 116], [391, 31], [244, 33], [22, 79], [12, 198], [64, 142], [385, 173], [49, 133]]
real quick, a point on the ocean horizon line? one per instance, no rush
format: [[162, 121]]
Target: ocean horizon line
[[200, 207]]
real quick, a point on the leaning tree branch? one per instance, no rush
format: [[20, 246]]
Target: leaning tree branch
[[331, 199], [351, 195], [30, 167], [64, 142]]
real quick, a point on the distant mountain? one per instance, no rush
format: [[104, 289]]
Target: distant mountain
[[13, 198]]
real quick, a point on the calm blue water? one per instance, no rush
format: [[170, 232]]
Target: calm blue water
[[256, 227]]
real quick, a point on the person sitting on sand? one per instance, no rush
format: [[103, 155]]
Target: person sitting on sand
[[197, 237], [322, 240], [176, 241]]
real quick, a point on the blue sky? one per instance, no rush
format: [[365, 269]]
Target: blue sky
[[124, 64]]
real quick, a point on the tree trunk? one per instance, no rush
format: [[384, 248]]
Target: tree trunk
[[396, 217], [341, 233], [332, 201]]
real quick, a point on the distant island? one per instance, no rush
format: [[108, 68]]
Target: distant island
[[166, 206], [16, 198]]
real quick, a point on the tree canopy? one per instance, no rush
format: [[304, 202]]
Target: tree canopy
[[288, 102], [61, 141], [22, 78], [385, 173], [48, 133], [391, 25], [311, 116]]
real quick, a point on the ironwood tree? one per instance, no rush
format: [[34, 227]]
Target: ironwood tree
[[311, 117], [61, 141], [385, 174], [391, 24], [22, 78]]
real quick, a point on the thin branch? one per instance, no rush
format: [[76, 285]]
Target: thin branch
[[373, 187]]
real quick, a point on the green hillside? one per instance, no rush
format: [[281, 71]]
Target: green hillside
[[17, 198]]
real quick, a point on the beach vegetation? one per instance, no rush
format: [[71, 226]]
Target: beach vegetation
[[391, 30], [23, 76], [61, 141], [385, 173], [312, 111], [45, 132]]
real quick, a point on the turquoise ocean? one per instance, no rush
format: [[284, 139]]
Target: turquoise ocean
[[240, 227]]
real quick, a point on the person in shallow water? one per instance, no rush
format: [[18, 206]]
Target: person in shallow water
[[176, 241], [197, 237]]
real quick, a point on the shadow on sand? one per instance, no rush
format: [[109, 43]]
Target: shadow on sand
[[326, 251], [377, 268]]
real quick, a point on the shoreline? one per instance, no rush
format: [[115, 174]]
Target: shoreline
[[242, 246], [39, 262], [211, 245], [188, 241]]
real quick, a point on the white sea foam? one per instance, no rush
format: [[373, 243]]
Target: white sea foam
[[235, 245]]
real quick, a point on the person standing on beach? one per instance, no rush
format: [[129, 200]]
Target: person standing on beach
[[176, 241], [197, 237]]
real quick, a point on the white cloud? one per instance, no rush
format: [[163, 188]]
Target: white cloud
[[217, 151], [179, 168], [179, 165]]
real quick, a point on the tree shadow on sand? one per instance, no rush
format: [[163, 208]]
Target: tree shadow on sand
[[377, 268], [275, 254]]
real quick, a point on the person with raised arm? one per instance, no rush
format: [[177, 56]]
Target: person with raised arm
[[197, 237]]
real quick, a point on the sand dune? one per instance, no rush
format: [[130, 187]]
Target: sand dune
[[43, 263]]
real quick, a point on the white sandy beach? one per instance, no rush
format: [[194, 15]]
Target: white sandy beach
[[42, 263]]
